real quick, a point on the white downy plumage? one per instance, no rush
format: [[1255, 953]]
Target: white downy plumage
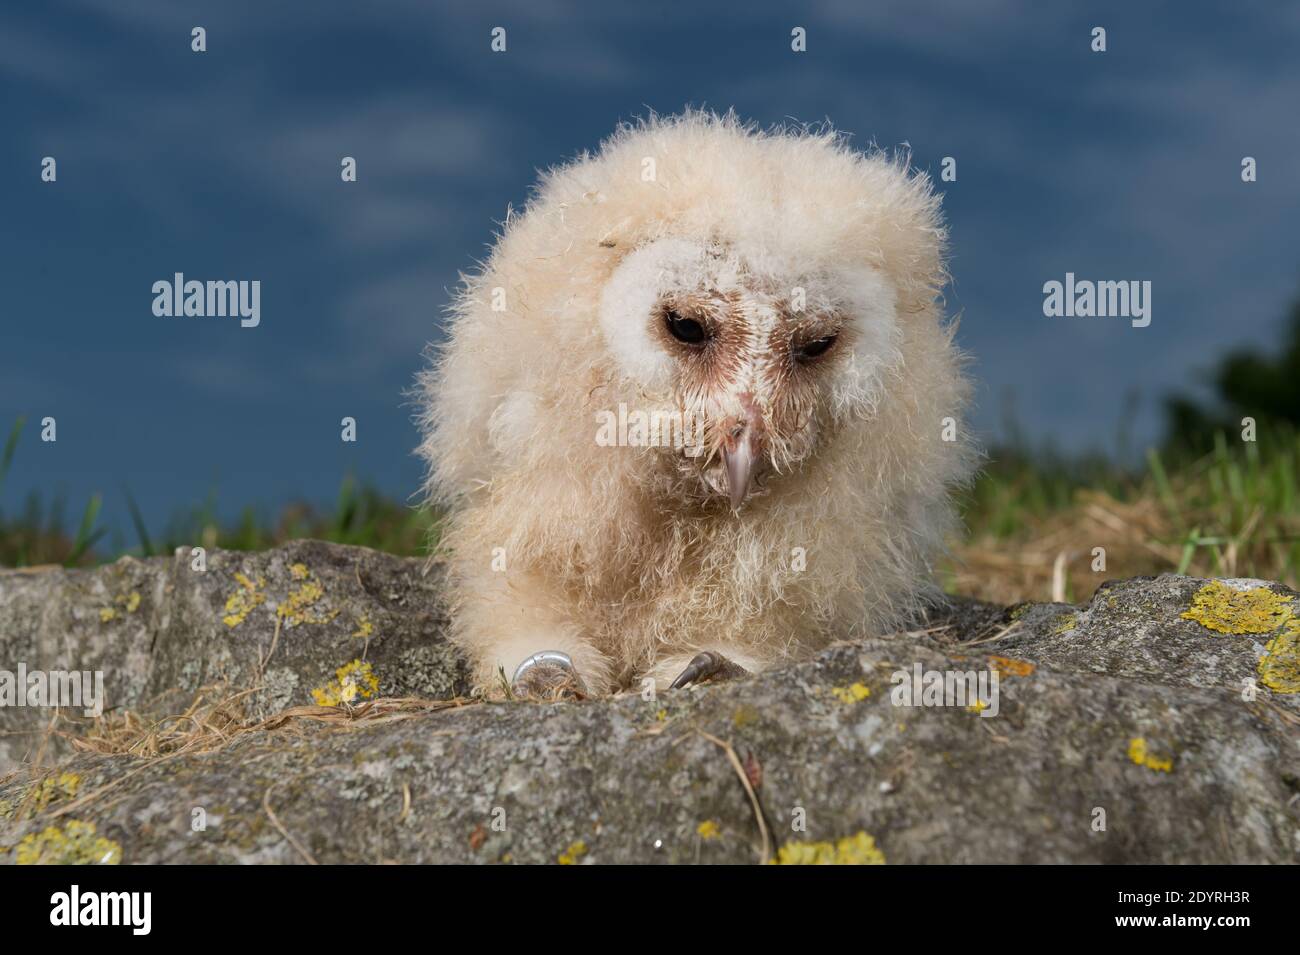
[[824, 374]]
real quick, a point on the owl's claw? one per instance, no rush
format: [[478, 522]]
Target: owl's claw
[[549, 675], [708, 666]]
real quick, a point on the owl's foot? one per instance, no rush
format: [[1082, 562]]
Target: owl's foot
[[548, 676], [708, 667]]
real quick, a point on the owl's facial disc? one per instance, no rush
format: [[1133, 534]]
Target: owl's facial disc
[[756, 370], [770, 358], [752, 374]]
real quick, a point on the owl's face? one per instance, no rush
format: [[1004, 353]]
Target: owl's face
[[771, 354]]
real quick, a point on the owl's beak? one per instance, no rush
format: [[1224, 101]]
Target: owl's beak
[[741, 449]]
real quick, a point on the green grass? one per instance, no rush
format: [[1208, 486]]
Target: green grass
[[1232, 511], [38, 532]]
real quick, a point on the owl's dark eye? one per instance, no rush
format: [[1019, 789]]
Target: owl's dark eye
[[685, 330], [815, 349]]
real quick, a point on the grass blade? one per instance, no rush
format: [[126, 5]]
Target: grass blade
[[1164, 489], [7, 457], [86, 534], [1189, 551], [141, 531]]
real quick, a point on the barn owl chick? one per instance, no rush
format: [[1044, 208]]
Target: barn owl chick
[[698, 413]]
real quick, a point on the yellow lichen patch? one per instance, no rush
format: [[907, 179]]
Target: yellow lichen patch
[[243, 601], [299, 606], [352, 682], [661, 716], [853, 693], [75, 844], [1279, 667], [851, 850], [53, 788], [1006, 666], [364, 628], [745, 715], [128, 602], [1218, 607], [708, 829], [1065, 623], [979, 706], [299, 571], [1140, 753], [571, 855]]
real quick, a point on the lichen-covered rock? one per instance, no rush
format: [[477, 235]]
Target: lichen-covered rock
[[282, 623], [1154, 724]]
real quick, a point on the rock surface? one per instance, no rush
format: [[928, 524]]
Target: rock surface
[[1125, 730], [159, 630]]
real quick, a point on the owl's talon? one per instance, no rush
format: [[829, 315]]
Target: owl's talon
[[549, 675], [708, 666]]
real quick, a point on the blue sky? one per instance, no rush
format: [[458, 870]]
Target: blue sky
[[225, 165]]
